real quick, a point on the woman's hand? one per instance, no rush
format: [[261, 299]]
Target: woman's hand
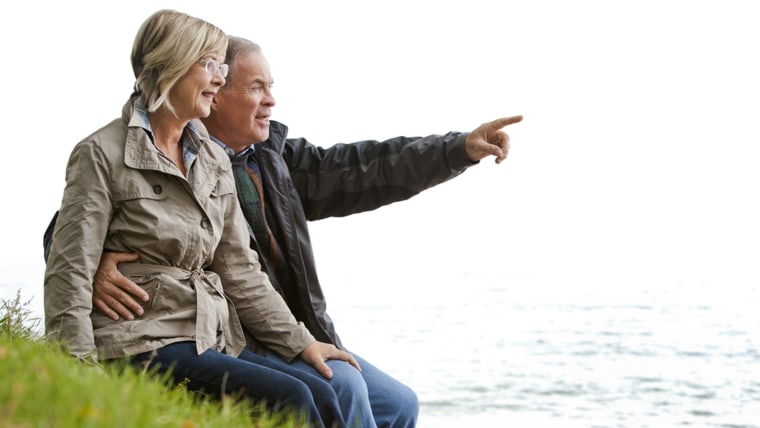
[[318, 352]]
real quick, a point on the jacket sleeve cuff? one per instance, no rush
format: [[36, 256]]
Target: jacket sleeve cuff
[[459, 159], [297, 346]]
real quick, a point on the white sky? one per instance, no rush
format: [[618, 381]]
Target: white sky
[[636, 160]]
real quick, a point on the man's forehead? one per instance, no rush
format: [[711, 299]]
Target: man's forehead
[[255, 68]]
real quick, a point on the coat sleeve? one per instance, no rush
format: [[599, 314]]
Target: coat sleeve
[[261, 309], [346, 179], [75, 249]]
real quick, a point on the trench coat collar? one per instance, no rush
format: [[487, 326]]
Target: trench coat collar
[[141, 153]]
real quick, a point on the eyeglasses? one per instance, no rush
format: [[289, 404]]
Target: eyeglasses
[[212, 66]]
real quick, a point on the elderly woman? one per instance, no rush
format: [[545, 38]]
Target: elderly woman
[[151, 182]]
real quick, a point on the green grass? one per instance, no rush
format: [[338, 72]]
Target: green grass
[[42, 386]]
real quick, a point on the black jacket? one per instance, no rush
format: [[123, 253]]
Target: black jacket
[[305, 182]]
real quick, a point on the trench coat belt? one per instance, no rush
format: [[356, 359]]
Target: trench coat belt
[[205, 321]]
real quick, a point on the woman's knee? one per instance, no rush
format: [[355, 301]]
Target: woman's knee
[[298, 398], [346, 378]]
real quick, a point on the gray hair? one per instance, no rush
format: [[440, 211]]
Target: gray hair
[[238, 46]]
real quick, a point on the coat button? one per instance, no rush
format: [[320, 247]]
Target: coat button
[[157, 189], [205, 223]]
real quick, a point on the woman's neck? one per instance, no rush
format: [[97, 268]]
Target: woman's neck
[[167, 134]]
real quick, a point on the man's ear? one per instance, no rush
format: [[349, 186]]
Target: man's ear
[[218, 99]]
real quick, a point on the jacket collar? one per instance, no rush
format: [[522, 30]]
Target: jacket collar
[[141, 153], [278, 132]]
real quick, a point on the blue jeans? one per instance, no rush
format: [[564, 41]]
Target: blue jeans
[[367, 399], [211, 371], [394, 404]]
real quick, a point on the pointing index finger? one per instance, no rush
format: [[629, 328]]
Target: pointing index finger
[[504, 121]]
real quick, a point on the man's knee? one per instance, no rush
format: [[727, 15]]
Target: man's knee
[[408, 407], [397, 407]]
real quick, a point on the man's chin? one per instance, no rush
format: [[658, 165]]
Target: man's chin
[[262, 135]]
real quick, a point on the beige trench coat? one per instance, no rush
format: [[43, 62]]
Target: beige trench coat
[[122, 194]]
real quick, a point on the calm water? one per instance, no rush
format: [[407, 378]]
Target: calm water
[[497, 353], [524, 354]]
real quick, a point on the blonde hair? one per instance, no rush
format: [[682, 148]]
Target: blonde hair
[[167, 44]]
